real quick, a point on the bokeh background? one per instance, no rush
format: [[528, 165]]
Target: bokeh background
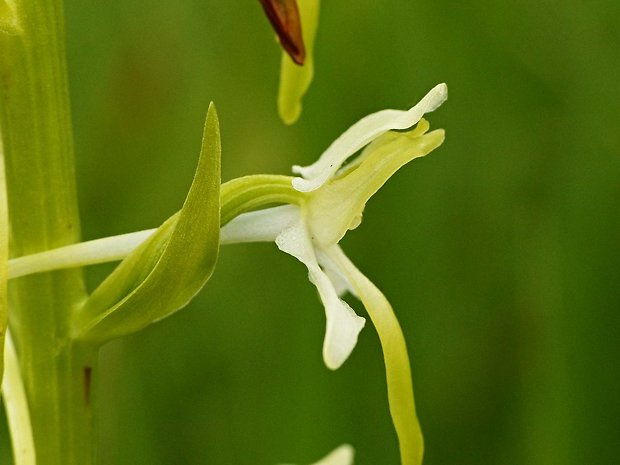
[[500, 251]]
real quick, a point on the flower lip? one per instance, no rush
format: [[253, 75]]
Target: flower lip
[[361, 134], [343, 325], [287, 226]]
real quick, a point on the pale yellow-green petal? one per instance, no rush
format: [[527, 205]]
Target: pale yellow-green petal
[[361, 134], [294, 79], [421, 128], [338, 205], [397, 369]]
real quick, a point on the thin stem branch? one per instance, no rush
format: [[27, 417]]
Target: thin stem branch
[[238, 196], [37, 139], [108, 249]]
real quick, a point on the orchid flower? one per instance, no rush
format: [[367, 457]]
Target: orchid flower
[[335, 197], [333, 200], [326, 201]]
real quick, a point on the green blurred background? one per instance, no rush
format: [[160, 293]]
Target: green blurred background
[[500, 252]]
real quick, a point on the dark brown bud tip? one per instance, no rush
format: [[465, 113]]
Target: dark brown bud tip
[[284, 18]]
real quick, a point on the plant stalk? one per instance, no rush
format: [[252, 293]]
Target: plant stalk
[[36, 133]]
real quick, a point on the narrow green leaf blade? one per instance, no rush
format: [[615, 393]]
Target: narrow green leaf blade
[[163, 274]]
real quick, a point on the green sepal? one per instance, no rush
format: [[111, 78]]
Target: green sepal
[[338, 205], [249, 193], [164, 273]]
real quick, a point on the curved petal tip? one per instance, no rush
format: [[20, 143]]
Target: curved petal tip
[[342, 331], [309, 185], [436, 97]]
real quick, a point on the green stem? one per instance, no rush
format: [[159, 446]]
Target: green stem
[[238, 196], [107, 249], [37, 138]]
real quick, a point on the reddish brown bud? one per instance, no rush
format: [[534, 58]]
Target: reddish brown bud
[[284, 18]]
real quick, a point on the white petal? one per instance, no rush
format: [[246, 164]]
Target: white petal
[[340, 285], [362, 133], [259, 226], [342, 455], [343, 325], [338, 279]]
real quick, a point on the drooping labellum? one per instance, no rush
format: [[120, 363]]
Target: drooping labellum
[[284, 18]]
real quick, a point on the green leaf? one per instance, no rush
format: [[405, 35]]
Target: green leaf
[[164, 273]]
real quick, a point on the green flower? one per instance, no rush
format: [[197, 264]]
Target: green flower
[[332, 200]]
